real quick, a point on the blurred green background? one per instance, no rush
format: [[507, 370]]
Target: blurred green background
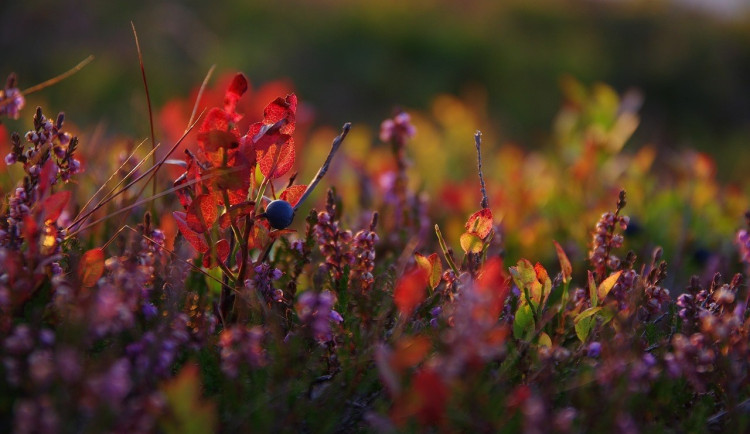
[[355, 60]]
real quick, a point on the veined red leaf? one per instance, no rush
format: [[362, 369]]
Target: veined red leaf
[[236, 211], [410, 290], [471, 243], [196, 240], [282, 108], [480, 223], [221, 248], [565, 267], [286, 155], [432, 265], [202, 213], [52, 206], [293, 194], [91, 267], [218, 119]]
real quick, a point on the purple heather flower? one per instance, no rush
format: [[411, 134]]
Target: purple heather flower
[[315, 311], [397, 129], [594, 349]]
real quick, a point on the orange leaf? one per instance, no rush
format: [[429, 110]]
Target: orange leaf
[[565, 267], [480, 223], [410, 290], [222, 253], [432, 265], [293, 194], [202, 213], [91, 267], [197, 241], [409, 352]]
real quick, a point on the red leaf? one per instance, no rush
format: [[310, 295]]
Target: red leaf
[[202, 213], [236, 89], [52, 206], [282, 108], [238, 210], [494, 282], [433, 395], [213, 140], [222, 253], [410, 290], [197, 241], [293, 194], [91, 267], [47, 176], [285, 157], [259, 236], [218, 119], [480, 223]]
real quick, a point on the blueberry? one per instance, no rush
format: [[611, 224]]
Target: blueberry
[[279, 214]]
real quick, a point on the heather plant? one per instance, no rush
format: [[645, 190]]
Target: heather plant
[[221, 304]]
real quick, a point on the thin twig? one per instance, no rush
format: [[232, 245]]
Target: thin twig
[[91, 199], [52, 81], [324, 168], [150, 111], [135, 181], [142, 201], [200, 93], [478, 143]]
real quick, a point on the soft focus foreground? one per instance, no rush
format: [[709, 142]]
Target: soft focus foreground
[[434, 278]]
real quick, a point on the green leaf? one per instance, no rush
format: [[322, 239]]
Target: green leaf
[[587, 313], [545, 340], [592, 290], [187, 411], [432, 265], [584, 326], [471, 243], [525, 277], [523, 324], [585, 321]]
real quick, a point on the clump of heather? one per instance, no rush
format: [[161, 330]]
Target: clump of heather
[[11, 99], [334, 242], [605, 240]]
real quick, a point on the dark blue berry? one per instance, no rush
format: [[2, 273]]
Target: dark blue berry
[[279, 214]]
